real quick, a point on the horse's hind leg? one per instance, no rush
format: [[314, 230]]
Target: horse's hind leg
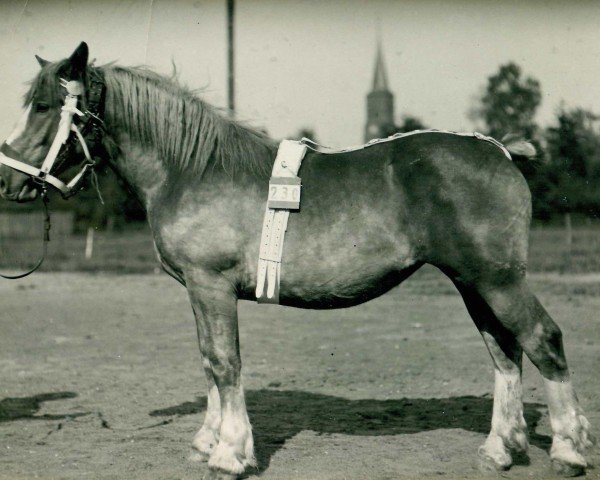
[[521, 314], [508, 425]]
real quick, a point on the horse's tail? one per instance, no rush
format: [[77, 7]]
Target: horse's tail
[[519, 148]]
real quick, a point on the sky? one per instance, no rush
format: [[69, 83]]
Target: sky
[[309, 64]]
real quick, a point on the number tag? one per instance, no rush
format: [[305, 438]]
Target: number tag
[[284, 192]]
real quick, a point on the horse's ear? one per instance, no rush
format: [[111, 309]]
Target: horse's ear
[[41, 61], [78, 60]]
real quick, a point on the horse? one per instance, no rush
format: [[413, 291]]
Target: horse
[[369, 218]]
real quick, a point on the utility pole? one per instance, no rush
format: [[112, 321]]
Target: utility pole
[[230, 58]]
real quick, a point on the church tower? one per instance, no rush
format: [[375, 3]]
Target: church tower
[[380, 103]]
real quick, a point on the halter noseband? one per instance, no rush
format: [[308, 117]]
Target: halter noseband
[[91, 128]]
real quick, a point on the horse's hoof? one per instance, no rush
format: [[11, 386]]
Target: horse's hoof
[[219, 475], [494, 461], [198, 457], [568, 469], [488, 464]]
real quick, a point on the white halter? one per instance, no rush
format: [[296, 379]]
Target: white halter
[[66, 126]]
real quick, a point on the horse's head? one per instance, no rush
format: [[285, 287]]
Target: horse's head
[[36, 152]]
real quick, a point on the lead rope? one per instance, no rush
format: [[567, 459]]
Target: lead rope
[[96, 185], [45, 240]]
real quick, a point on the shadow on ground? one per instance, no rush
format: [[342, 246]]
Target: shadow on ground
[[25, 408], [278, 415]]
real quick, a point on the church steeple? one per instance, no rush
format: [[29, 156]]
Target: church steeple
[[380, 102], [380, 81]]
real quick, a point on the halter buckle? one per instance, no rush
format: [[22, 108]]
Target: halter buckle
[[40, 180]]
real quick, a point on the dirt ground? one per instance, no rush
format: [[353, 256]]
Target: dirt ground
[[100, 378]]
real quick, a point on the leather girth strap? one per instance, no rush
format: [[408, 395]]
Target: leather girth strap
[[284, 195]]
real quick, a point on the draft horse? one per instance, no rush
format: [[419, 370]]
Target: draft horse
[[368, 220]]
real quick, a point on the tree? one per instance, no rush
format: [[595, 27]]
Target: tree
[[509, 103], [507, 106], [409, 124], [574, 151]]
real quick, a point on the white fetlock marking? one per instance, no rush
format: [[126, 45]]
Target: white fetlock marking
[[212, 419], [507, 418], [250, 460], [235, 450], [205, 441], [566, 417], [569, 427], [208, 436], [562, 404]]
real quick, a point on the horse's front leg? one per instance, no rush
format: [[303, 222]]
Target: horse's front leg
[[215, 308]]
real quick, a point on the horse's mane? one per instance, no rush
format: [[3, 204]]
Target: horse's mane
[[189, 134]]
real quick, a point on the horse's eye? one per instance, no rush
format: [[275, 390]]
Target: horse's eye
[[41, 107]]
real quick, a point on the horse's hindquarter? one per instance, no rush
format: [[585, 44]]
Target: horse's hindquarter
[[469, 206], [348, 242]]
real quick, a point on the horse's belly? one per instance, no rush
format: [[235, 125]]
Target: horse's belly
[[340, 291], [343, 273]]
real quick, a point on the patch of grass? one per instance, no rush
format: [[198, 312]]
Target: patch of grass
[[549, 252], [127, 252]]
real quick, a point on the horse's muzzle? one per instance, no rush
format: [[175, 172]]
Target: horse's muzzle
[[21, 190]]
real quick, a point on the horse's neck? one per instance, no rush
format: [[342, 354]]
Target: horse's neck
[[140, 167], [140, 164]]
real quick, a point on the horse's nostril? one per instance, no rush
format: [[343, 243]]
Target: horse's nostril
[[2, 185]]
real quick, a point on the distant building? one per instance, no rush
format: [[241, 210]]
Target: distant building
[[380, 103]]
